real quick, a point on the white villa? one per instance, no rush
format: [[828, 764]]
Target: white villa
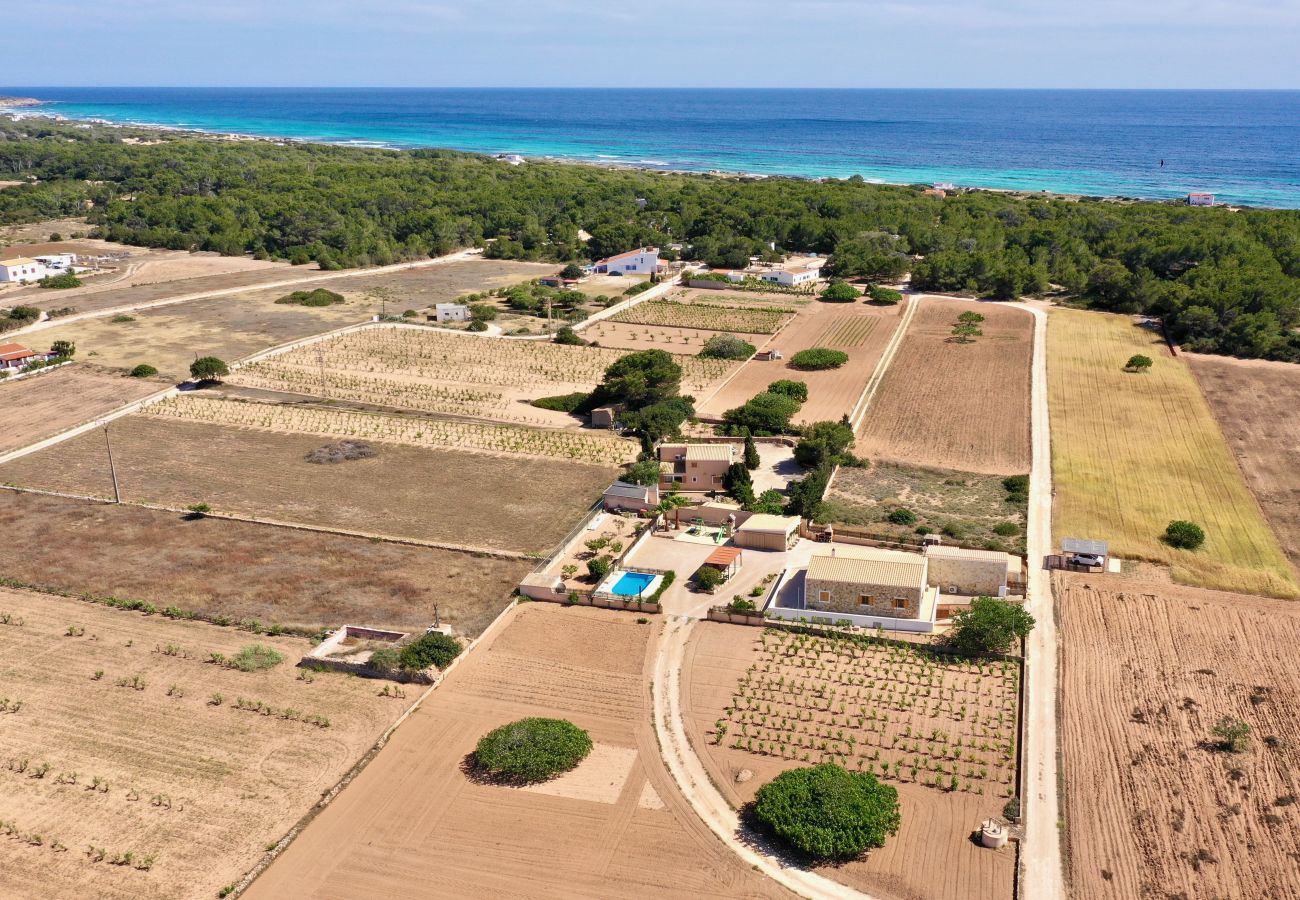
[[451, 312], [642, 261], [22, 268]]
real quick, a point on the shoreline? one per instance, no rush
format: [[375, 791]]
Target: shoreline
[[18, 109]]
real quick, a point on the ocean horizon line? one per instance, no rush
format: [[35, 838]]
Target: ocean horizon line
[[1147, 144]]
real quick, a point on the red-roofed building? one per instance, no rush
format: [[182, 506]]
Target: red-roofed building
[[15, 356]]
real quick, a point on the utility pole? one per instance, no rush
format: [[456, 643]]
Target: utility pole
[[112, 467], [320, 361]]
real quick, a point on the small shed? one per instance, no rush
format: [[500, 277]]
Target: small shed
[[726, 560], [635, 497], [764, 531], [604, 416], [451, 312]]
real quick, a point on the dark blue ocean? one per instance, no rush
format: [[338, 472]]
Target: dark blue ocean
[[1243, 146]]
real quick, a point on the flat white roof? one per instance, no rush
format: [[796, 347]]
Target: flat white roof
[[767, 522]]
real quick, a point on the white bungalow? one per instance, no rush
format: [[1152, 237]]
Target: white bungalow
[[642, 261]]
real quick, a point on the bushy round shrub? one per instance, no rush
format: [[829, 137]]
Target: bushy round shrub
[[1006, 529], [531, 750], [1184, 535], [901, 516], [144, 370], [840, 292], [430, 649], [885, 296], [818, 358], [828, 812], [726, 346]]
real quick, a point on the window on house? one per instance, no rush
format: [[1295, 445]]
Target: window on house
[[864, 599], [900, 603], [824, 596]]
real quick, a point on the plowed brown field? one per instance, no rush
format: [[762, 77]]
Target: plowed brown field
[[859, 330], [34, 408], [414, 824], [956, 406], [932, 856], [198, 784], [1257, 404], [1153, 809]]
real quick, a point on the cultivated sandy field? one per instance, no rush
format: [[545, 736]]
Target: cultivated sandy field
[[859, 330], [1257, 404], [415, 824], [456, 497], [956, 406], [32, 409], [432, 370], [199, 786], [247, 571], [783, 724], [689, 341], [1153, 809], [1132, 452]]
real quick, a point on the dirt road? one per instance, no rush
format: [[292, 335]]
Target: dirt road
[[1041, 876]]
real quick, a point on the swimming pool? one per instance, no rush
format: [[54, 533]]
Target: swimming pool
[[632, 584]]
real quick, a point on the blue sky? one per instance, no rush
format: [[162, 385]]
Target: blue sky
[[723, 43]]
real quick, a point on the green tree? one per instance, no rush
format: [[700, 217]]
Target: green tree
[[966, 334], [726, 346], [823, 443], [144, 370], [598, 567], [63, 349], [828, 812], [818, 358], [901, 516], [988, 625], [970, 318], [1138, 363], [876, 256], [640, 379], [645, 471], [566, 335], [433, 648], [885, 296], [571, 271], [797, 390], [660, 420], [208, 368], [738, 484], [840, 292], [708, 578], [1184, 535], [763, 414], [752, 459], [532, 750]]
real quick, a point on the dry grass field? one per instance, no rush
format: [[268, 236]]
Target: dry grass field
[[787, 701], [960, 505], [859, 330], [237, 325], [32, 409], [247, 571], [415, 824], [439, 371], [121, 746], [956, 406], [1257, 404], [1153, 807], [474, 499], [598, 447], [1132, 452]]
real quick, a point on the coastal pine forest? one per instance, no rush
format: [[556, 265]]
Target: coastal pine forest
[[1222, 280]]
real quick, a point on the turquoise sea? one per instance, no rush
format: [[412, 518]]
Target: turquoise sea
[[1243, 146]]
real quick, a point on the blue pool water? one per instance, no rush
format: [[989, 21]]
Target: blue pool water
[[632, 584], [1240, 145]]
